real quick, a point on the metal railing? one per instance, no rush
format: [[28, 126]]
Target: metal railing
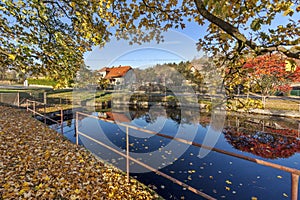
[[32, 106], [294, 172]]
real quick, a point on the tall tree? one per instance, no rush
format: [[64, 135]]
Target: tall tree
[[50, 36]]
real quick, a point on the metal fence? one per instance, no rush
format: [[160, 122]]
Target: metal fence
[[294, 172], [35, 107]]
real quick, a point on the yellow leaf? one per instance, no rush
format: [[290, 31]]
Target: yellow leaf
[[21, 192], [73, 4], [47, 178], [25, 184], [227, 188], [111, 195], [77, 191], [12, 56], [285, 195], [228, 182], [253, 198], [279, 176], [288, 12]]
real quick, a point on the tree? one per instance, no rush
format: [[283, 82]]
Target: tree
[[103, 83], [50, 36], [269, 73], [86, 78]]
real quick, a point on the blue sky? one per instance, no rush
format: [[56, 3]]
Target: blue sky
[[179, 45]]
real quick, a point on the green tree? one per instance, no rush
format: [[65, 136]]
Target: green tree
[[50, 36], [103, 83]]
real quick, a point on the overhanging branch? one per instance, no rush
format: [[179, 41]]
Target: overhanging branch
[[241, 38]]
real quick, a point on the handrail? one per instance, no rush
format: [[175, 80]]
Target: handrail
[[294, 172], [44, 115]]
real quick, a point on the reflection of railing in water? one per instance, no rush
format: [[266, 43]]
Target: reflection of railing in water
[[33, 109], [261, 125], [294, 172]]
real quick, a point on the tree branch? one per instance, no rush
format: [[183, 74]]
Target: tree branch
[[235, 33]]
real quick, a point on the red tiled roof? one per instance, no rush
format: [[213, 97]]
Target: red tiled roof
[[116, 72], [104, 69], [119, 117]]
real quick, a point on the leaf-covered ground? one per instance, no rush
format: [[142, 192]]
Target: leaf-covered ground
[[38, 163]]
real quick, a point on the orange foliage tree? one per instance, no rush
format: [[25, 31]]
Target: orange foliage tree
[[270, 73]]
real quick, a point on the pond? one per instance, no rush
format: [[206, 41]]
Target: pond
[[221, 176]]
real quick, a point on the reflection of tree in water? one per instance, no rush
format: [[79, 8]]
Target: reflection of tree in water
[[263, 144], [179, 115], [150, 117]]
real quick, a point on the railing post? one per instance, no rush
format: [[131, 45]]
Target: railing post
[[34, 108], [127, 153], [62, 120], [295, 182], [45, 119], [76, 128], [18, 99], [27, 105]]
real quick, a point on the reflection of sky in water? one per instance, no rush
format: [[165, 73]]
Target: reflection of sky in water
[[220, 176]]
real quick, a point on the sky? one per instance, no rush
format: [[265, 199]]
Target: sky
[[178, 45]]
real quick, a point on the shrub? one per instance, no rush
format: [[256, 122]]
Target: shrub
[[47, 82]]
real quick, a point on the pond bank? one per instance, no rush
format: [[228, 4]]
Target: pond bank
[[277, 113], [38, 163]]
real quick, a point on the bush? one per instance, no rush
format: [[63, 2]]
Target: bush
[[47, 82]]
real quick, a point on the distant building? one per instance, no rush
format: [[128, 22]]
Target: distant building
[[116, 75]]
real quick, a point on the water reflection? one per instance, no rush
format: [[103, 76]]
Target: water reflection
[[218, 175], [267, 138]]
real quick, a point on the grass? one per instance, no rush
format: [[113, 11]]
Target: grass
[[279, 104], [47, 82], [101, 96], [66, 94]]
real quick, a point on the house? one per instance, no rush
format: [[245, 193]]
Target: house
[[116, 75]]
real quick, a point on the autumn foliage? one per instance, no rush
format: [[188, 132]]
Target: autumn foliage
[[272, 72], [271, 144]]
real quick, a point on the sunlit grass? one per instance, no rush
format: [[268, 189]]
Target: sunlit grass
[[279, 104]]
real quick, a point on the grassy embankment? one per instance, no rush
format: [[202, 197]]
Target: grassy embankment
[[57, 99], [65, 98]]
